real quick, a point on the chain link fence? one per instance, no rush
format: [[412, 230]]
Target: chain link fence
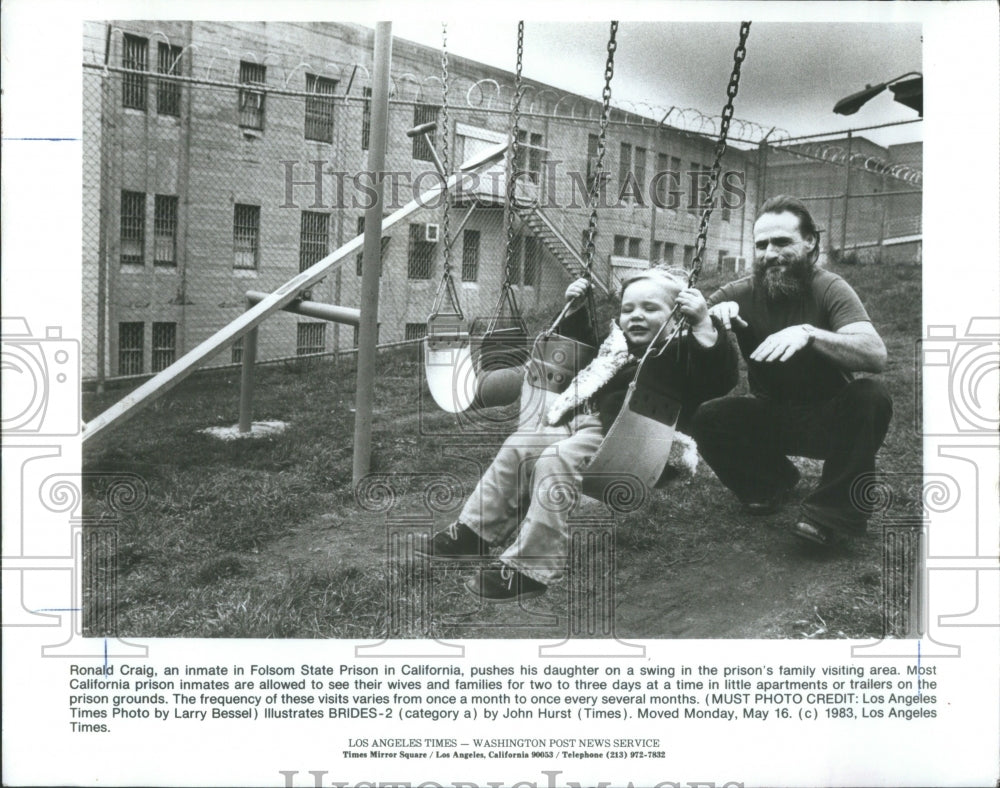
[[210, 171], [867, 198]]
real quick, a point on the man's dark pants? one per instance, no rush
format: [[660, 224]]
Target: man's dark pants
[[747, 441]]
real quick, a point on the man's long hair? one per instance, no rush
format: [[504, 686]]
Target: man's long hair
[[783, 203]]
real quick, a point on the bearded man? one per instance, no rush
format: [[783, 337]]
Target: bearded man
[[803, 332]]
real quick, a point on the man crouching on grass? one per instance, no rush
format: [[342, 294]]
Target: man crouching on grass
[[803, 332], [533, 463]]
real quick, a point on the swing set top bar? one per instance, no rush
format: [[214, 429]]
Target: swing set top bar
[[130, 404]]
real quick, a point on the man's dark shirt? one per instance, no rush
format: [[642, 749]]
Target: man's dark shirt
[[827, 303]]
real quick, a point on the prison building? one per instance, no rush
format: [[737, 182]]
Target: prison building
[[223, 157]]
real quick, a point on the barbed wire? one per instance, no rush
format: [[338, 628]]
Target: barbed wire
[[835, 154]]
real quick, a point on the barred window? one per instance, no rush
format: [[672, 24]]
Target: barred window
[[319, 108], [366, 118], [134, 53], [252, 101], [246, 236], [237, 357], [165, 230], [529, 154], [532, 261], [662, 181], [311, 338], [675, 166], [164, 345], [133, 228], [639, 169], [619, 246], [130, 348], [723, 254], [688, 255], [634, 247], [626, 246], [415, 330], [168, 92], [668, 253], [419, 254], [624, 163], [314, 238], [424, 113], [360, 259], [656, 252], [470, 255]]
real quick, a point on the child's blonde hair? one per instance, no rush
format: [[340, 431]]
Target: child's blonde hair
[[673, 279]]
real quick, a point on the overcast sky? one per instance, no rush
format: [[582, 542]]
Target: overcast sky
[[793, 74]]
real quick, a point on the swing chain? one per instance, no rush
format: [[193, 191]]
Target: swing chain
[[732, 89], [595, 186], [445, 165], [512, 157]]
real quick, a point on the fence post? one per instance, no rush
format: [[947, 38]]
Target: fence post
[[247, 378], [847, 196], [371, 260]]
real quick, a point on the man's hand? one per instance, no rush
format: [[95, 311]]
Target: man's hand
[[575, 292], [728, 312], [784, 344]]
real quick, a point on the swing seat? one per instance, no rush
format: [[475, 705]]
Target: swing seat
[[634, 452], [554, 362], [451, 373], [500, 346]]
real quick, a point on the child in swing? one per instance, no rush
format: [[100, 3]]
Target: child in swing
[[532, 464]]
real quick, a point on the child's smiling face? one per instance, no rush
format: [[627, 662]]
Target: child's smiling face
[[646, 305]]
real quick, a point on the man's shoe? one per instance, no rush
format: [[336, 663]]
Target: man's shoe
[[772, 503], [504, 585], [813, 533], [454, 543]]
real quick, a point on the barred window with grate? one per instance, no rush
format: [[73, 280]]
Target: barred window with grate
[[424, 113], [619, 246], [366, 118], [470, 255], [164, 345], [246, 236], [134, 54], [529, 155], [319, 108], [130, 348], [314, 238], [133, 228], [419, 254], [634, 248], [532, 261], [662, 181], [311, 338], [639, 169], [168, 92], [165, 230], [252, 101], [415, 331]]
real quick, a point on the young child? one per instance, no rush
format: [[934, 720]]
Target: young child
[[532, 464]]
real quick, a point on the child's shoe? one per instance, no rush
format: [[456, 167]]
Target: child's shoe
[[504, 585], [454, 543]]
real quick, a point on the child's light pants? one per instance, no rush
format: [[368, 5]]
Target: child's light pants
[[539, 468]]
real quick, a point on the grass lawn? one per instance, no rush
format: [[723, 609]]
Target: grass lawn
[[265, 537]]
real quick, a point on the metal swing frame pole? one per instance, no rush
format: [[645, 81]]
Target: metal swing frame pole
[[371, 257]]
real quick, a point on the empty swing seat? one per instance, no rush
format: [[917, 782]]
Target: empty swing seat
[[448, 364]]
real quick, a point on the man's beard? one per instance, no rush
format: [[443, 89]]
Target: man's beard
[[783, 283]]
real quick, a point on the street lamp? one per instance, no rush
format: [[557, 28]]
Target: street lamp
[[910, 93]]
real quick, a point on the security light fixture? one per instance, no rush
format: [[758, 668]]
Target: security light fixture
[[910, 93]]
